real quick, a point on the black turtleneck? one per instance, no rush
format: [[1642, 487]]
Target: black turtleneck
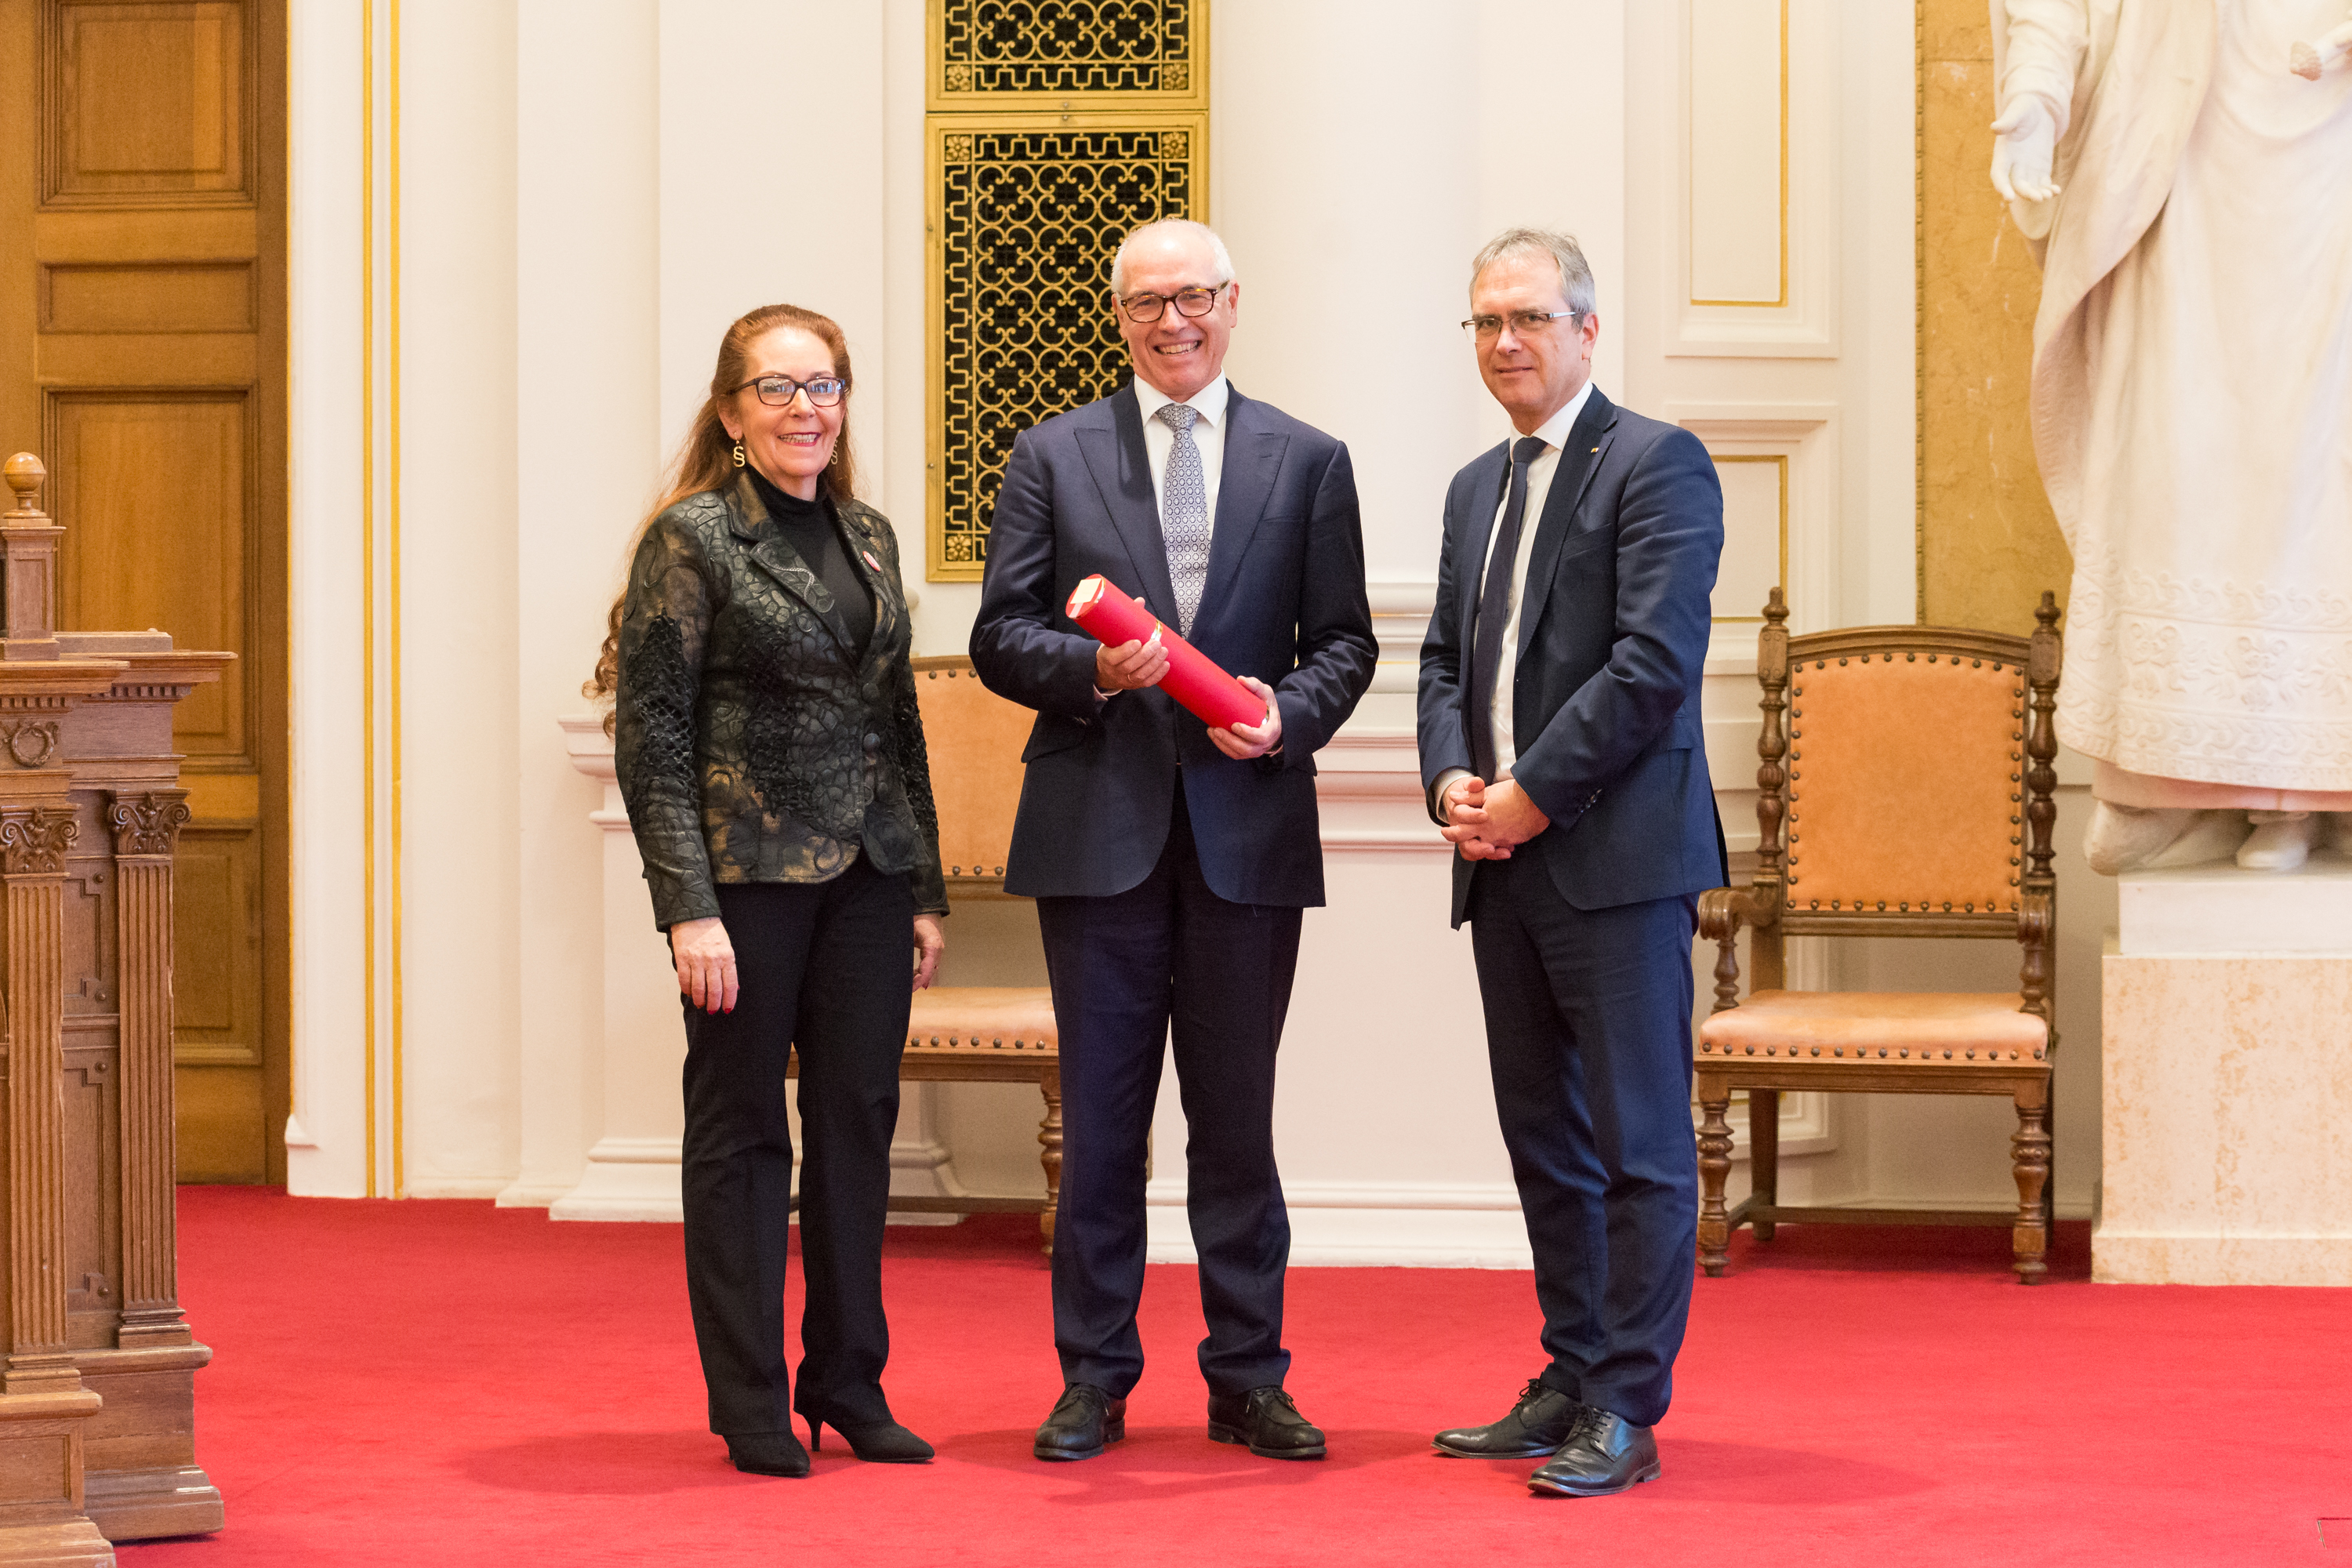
[[810, 528]]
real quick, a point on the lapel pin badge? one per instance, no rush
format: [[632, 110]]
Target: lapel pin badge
[[870, 561]]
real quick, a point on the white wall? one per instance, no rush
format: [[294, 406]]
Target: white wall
[[590, 191]]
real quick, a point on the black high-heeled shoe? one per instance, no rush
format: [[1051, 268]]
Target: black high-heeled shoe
[[878, 1442], [768, 1454]]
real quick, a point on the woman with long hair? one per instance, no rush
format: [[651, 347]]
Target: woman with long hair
[[771, 758]]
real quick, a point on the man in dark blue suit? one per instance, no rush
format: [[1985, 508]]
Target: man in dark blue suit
[[1169, 861], [1561, 749]]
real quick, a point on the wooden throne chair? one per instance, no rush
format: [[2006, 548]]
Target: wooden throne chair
[[979, 1034], [1917, 793]]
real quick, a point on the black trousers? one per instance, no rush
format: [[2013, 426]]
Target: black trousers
[[1123, 969], [824, 969], [1588, 1032]]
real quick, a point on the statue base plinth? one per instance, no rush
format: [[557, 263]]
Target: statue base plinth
[[2227, 1000]]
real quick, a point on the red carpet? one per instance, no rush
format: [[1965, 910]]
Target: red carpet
[[449, 1383]]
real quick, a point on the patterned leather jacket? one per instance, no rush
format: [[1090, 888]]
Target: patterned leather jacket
[[752, 742]]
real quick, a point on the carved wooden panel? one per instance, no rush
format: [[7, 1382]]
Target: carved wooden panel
[[155, 297], [148, 102], [154, 491], [93, 1242], [215, 903]]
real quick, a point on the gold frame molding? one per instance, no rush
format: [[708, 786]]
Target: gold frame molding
[[938, 129], [941, 95], [1780, 459], [1781, 300]]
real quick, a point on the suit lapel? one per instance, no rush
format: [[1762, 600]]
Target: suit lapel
[[748, 516], [1253, 457], [1580, 459], [1487, 491], [1122, 475]]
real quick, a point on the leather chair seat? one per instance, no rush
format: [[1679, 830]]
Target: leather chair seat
[[984, 1018], [1916, 1027]]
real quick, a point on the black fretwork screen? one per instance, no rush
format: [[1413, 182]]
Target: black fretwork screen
[[1068, 54], [1054, 128], [1028, 218]]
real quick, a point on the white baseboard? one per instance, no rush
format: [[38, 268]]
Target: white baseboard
[[457, 1187], [524, 1194]]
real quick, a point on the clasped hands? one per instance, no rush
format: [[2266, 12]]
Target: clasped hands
[[1486, 820], [1132, 665], [706, 960]]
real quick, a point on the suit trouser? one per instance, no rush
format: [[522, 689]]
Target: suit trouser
[[824, 969], [1124, 968], [1588, 1033]]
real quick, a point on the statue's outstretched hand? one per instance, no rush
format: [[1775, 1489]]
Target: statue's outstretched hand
[[2028, 139], [2307, 61]]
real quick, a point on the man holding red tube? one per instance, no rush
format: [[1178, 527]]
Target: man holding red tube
[[1170, 860]]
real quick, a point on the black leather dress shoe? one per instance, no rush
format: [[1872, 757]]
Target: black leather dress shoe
[[875, 1442], [1605, 1453], [1083, 1419], [768, 1454], [1538, 1425], [1266, 1421]]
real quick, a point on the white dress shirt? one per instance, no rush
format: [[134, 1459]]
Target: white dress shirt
[[1208, 435], [1553, 432]]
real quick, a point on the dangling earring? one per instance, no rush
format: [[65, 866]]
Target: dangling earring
[[738, 454], [836, 459]]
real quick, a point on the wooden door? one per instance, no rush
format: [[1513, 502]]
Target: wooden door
[[143, 355]]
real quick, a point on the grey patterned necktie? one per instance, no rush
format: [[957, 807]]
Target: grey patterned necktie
[[1184, 513]]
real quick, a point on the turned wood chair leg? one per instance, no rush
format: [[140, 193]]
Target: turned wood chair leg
[[1713, 1166], [1049, 1134], [1763, 1156], [2030, 1163]]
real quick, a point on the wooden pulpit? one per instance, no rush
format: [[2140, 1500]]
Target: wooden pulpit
[[97, 1383]]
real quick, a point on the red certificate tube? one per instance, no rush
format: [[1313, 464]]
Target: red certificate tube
[[1216, 699]]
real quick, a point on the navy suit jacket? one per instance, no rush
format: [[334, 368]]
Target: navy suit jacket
[[1283, 602], [1613, 624]]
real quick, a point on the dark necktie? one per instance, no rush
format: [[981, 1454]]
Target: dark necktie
[[1494, 608]]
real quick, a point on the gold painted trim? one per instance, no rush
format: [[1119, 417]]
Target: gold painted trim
[[1782, 302], [1781, 459], [1920, 312], [392, 569], [937, 99], [374, 808], [367, 555], [935, 128]]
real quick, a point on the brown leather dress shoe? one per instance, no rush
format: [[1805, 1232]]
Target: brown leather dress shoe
[[1083, 1419], [1267, 1422], [1605, 1453], [1538, 1425]]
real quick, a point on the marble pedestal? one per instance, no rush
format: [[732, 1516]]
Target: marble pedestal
[[2226, 1105]]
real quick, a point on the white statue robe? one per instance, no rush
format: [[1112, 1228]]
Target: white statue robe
[[2192, 390]]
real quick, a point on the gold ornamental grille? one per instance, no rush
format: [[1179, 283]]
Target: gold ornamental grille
[[1068, 54], [1026, 213]]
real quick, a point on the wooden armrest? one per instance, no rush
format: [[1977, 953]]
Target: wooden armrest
[[1722, 911]]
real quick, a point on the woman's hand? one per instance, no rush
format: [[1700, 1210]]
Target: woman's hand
[[930, 942], [706, 964]]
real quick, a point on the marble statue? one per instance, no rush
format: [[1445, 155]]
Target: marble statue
[[2181, 168]]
